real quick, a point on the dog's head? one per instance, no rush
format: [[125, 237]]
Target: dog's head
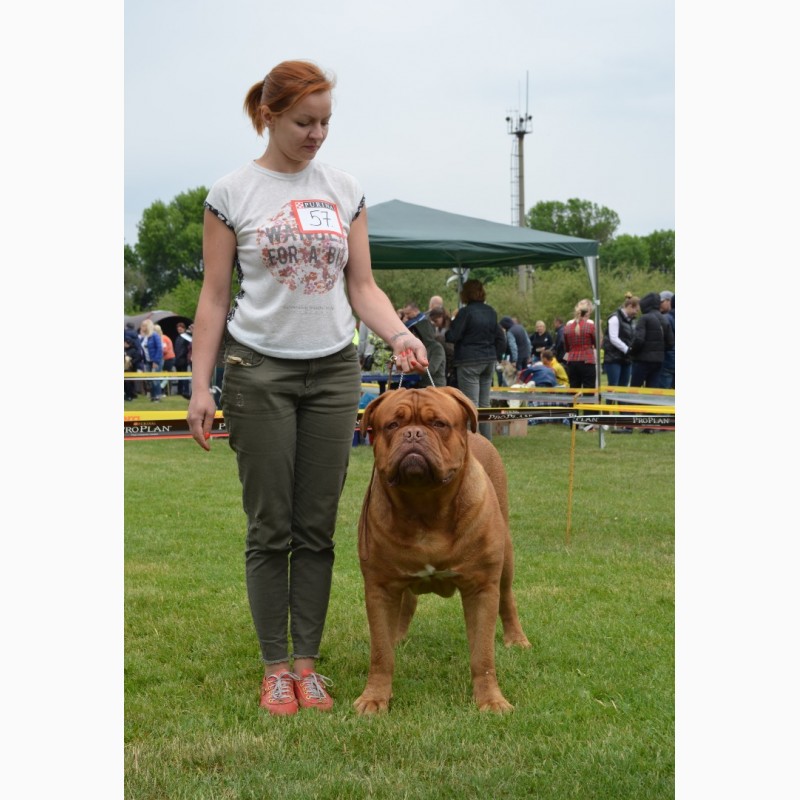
[[419, 436], [509, 370]]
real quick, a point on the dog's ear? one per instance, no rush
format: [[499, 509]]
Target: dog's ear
[[369, 410], [465, 403]]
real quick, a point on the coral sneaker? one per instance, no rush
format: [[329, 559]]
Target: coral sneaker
[[310, 690], [277, 693]]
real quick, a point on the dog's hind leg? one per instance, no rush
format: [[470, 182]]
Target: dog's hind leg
[[408, 605]]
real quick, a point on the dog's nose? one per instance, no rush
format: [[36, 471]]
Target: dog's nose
[[412, 434]]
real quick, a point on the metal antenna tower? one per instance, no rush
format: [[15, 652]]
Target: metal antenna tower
[[514, 181], [519, 126]]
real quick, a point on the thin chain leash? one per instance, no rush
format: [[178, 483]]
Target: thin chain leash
[[393, 367]]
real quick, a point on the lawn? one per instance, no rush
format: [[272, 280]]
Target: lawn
[[594, 697]]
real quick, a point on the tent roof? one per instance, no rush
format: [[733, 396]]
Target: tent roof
[[407, 236], [166, 319]]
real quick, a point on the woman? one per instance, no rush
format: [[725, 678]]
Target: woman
[[618, 343], [479, 342], [540, 340], [154, 354], [441, 323], [295, 230], [581, 347], [168, 364]]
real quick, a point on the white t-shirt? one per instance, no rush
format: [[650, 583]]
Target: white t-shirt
[[291, 249]]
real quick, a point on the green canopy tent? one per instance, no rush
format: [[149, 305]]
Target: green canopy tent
[[407, 236]]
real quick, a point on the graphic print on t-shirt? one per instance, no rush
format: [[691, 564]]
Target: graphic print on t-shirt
[[303, 245]]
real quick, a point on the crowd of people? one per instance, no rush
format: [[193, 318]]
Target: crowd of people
[[150, 350], [473, 349], [637, 347]]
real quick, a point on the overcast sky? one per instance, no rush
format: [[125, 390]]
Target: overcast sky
[[424, 88]]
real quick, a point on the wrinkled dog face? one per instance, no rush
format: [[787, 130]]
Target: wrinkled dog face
[[419, 435]]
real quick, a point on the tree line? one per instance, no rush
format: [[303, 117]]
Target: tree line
[[164, 269]]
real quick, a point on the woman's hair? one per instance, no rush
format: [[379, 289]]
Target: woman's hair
[[285, 85], [633, 300], [473, 291], [583, 311], [439, 317], [147, 327]]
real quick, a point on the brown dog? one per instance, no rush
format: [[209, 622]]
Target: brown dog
[[434, 519]]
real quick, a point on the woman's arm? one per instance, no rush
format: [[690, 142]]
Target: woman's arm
[[613, 334], [219, 251], [371, 304]]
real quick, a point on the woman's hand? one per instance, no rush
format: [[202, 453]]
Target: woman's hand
[[200, 417], [410, 354]]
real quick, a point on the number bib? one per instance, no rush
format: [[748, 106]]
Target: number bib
[[317, 216]]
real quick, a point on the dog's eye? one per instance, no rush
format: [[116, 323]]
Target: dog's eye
[[438, 423], [390, 426]]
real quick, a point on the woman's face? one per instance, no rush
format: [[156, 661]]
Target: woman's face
[[540, 329], [296, 136]]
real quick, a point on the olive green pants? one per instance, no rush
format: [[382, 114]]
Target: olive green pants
[[291, 425]]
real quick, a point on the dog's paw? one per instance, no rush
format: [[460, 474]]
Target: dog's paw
[[496, 705], [518, 639], [370, 704]]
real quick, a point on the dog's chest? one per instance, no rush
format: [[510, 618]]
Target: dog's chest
[[429, 564], [432, 580]]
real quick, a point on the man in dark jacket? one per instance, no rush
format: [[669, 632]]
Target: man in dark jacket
[[652, 337], [521, 338], [559, 351], [668, 367], [181, 345]]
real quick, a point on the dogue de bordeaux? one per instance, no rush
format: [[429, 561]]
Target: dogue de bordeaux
[[434, 519]]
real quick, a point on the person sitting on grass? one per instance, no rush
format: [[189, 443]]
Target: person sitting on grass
[[540, 374], [549, 360]]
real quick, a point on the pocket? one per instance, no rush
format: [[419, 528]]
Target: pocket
[[349, 353], [237, 354]]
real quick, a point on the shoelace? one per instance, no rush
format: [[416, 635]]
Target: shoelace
[[312, 687], [282, 687]]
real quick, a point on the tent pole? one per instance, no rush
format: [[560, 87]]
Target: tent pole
[[591, 268]]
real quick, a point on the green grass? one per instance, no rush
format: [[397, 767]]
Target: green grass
[[594, 697]]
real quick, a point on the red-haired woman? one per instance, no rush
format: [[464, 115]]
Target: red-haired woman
[[293, 230]]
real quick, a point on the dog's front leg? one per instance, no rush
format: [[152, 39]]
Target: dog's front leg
[[383, 610], [480, 612]]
